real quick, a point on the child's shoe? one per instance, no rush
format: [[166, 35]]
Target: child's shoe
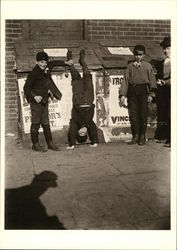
[[94, 145], [142, 141], [52, 146], [38, 148], [134, 140], [70, 147]]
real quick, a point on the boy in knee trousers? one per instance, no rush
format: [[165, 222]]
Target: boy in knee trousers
[[137, 87], [38, 87], [81, 123]]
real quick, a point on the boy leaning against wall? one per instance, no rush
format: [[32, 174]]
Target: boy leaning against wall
[[38, 87]]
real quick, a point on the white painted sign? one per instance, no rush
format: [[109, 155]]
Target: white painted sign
[[56, 52], [118, 116], [120, 51]]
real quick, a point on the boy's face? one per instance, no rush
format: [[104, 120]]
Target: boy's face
[[82, 131], [42, 64], [167, 51], [139, 55]]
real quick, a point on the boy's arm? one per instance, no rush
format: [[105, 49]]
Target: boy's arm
[[55, 63], [53, 88], [167, 81], [60, 63], [152, 79], [28, 87], [124, 86], [152, 84]]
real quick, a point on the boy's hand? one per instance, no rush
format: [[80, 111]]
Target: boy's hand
[[122, 100], [38, 98], [161, 82], [69, 63], [150, 98]]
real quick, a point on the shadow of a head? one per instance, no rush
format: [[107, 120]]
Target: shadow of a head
[[46, 179]]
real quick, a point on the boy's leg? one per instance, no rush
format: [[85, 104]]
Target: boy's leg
[[92, 132], [87, 79], [143, 105], [82, 62], [134, 120], [91, 127], [86, 72], [72, 134], [46, 128], [35, 124], [34, 133]]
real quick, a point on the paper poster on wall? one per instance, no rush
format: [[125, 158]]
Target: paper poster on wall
[[118, 116], [55, 114], [59, 111]]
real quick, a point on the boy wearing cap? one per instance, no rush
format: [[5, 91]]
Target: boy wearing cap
[[137, 87], [38, 87], [163, 95], [81, 122]]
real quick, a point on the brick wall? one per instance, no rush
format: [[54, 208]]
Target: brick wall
[[152, 30], [13, 31]]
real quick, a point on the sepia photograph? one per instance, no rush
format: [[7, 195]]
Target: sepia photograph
[[87, 142]]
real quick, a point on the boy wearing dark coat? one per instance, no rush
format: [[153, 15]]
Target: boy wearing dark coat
[[137, 87], [163, 95], [38, 87]]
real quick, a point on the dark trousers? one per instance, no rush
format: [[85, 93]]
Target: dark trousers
[[163, 100], [82, 117], [40, 116], [138, 109]]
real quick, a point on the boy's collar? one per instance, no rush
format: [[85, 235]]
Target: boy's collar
[[137, 64]]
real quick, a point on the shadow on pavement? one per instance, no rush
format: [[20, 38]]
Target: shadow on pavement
[[23, 208]]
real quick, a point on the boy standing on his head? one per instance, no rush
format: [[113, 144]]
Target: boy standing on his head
[[81, 122], [137, 87], [38, 87]]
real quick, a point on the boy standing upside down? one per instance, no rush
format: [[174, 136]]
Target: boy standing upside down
[[137, 87], [82, 114]]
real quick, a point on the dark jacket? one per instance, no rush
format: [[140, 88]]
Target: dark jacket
[[164, 71], [39, 83], [83, 92]]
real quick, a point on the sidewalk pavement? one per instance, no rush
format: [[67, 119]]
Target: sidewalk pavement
[[113, 186]]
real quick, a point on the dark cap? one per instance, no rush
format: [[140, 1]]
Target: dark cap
[[81, 139], [138, 48], [166, 42], [42, 56]]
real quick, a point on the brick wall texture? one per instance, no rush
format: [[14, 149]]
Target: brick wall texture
[[91, 30]]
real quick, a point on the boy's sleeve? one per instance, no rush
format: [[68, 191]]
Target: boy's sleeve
[[55, 63], [152, 79], [53, 88], [168, 81], [28, 87], [124, 86]]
